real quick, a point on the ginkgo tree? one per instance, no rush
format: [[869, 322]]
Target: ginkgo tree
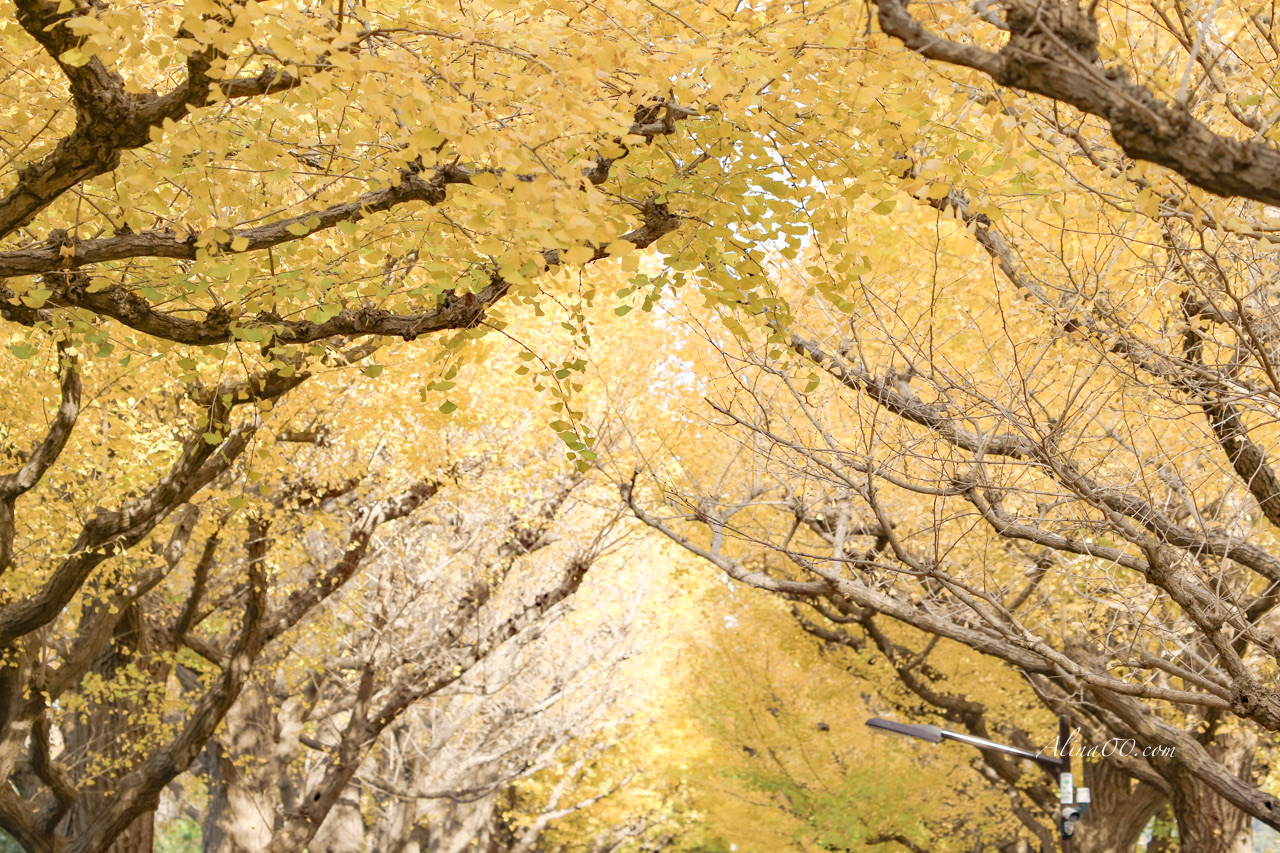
[[1038, 420], [206, 205], [446, 764], [787, 762], [355, 632]]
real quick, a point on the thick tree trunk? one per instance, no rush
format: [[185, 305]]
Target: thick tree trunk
[[247, 764], [110, 733], [138, 837], [343, 828], [1206, 822], [1121, 809], [402, 830], [499, 835], [461, 824], [1209, 824], [241, 814]]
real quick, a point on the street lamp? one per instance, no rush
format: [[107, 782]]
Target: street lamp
[[1074, 804]]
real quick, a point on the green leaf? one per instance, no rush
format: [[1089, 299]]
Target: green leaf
[[36, 298]]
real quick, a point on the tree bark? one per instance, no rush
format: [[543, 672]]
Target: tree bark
[[247, 765], [1120, 810], [241, 815], [109, 732], [1206, 822], [461, 824], [403, 830], [343, 828]]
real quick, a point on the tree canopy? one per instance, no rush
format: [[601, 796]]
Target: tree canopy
[[385, 385]]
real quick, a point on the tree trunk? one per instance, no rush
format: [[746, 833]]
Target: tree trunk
[[241, 816], [498, 834], [1209, 824], [1206, 822], [247, 764], [109, 732], [402, 830], [1120, 811], [343, 828], [461, 824]]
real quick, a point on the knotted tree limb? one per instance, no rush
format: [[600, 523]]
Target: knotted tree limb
[[1053, 51]]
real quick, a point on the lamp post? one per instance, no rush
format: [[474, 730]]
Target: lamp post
[[1074, 804]]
